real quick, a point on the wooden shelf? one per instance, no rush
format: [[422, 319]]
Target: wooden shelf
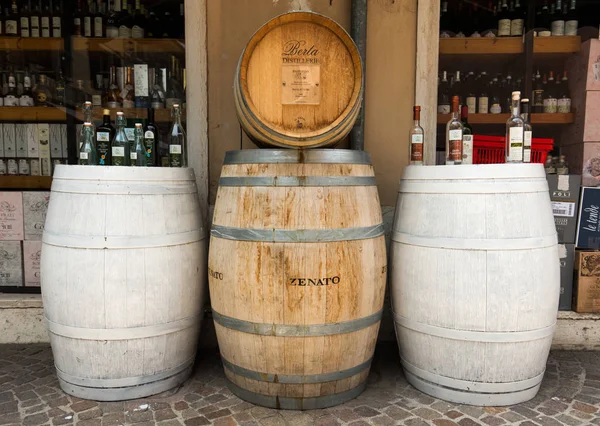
[[507, 45], [160, 115], [31, 44], [25, 182], [558, 118], [42, 114], [126, 45]]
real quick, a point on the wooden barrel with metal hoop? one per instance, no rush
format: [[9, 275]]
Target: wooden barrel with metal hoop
[[297, 273], [299, 82]]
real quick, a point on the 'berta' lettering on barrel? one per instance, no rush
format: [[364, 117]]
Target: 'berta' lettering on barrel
[[298, 52], [302, 282], [216, 275]]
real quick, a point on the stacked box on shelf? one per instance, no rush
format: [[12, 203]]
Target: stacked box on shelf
[[11, 235]]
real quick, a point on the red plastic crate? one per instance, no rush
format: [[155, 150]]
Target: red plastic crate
[[491, 149]]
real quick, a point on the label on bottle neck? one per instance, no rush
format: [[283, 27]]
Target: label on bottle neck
[[503, 27], [176, 101], [56, 26], [137, 32], [472, 104], [45, 26], [35, 26], [515, 144], [443, 109], [571, 27], [550, 105], [516, 27], [467, 149], [564, 105], [527, 146], [558, 27], [25, 27], [175, 156], [483, 105]]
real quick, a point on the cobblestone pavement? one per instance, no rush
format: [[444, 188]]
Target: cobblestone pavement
[[29, 395]]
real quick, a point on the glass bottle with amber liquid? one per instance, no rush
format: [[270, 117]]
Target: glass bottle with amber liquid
[[128, 93], [454, 136], [416, 136]]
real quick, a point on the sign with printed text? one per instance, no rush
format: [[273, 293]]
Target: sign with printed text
[[588, 226]]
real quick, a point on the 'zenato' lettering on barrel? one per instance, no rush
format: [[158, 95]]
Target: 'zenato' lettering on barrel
[[314, 281]]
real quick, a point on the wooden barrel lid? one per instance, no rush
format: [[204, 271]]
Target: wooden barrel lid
[[299, 82]]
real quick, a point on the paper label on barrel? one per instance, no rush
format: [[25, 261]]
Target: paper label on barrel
[[300, 84]]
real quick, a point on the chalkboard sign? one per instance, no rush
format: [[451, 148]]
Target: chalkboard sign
[[588, 226]]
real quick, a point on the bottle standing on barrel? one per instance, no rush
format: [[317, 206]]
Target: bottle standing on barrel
[[87, 152], [527, 131], [104, 136], [177, 148], [151, 139], [416, 139], [514, 132], [454, 135], [467, 136], [140, 148], [120, 150]]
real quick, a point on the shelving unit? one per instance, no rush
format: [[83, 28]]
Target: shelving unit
[[116, 45], [549, 119], [160, 115], [12, 44], [25, 182], [29, 114], [508, 45]]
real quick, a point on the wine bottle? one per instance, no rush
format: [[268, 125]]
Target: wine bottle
[[527, 131], [120, 147], [467, 138], [104, 135], [454, 136], [514, 132], [151, 139], [416, 136], [177, 141], [87, 152]]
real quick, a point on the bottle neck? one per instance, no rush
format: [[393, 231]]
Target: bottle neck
[[515, 107], [106, 119], [151, 116]]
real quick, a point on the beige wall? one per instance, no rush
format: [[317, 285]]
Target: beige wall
[[389, 85]]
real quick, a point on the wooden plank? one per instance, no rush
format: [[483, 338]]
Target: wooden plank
[[31, 44], [29, 114], [565, 44], [557, 118], [476, 46], [160, 115], [25, 182], [129, 45], [428, 18]]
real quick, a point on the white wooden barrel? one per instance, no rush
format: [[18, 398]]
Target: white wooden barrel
[[123, 275], [475, 281], [297, 274]]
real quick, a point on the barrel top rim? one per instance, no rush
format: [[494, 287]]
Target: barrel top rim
[[119, 173], [297, 156], [474, 172]]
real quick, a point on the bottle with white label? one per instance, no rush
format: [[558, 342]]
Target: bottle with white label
[[104, 135], [13, 167], [557, 25], [23, 167], [527, 131], [112, 21], [87, 152], [151, 140], [3, 170], [45, 23], [571, 22], [514, 132], [141, 160], [11, 23], [34, 20], [416, 135], [177, 140], [467, 136], [504, 20], [24, 20], [483, 98], [57, 19], [550, 100], [11, 98], [26, 99], [564, 99], [443, 99], [454, 136], [125, 21], [562, 168], [139, 22], [120, 147], [517, 21]]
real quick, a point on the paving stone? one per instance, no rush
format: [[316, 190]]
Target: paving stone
[[64, 419], [383, 420], [262, 412], [111, 407], [524, 411], [35, 409], [225, 421], [197, 421], [475, 412], [468, 422], [359, 423], [365, 411], [493, 421], [512, 417], [327, 420], [568, 420], [416, 422], [6, 396], [581, 415], [91, 422], [83, 405], [90, 414], [444, 422], [397, 413], [6, 419], [243, 406], [36, 419], [164, 414], [173, 422], [180, 405], [138, 416], [244, 416], [9, 407], [441, 406], [584, 407], [276, 420], [547, 421], [113, 419], [453, 414], [215, 398], [426, 413]]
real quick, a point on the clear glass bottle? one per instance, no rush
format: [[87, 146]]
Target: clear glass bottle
[[514, 132], [120, 147], [177, 140], [128, 93], [157, 96], [527, 131], [34, 19], [112, 20], [88, 117], [11, 98], [416, 136], [483, 98], [443, 99], [26, 99], [114, 95], [454, 135], [141, 160], [467, 136], [87, 151]]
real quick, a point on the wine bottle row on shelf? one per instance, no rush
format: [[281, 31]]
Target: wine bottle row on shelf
[[506, 18], [92, 18], [459, 134], [105, 145], [556, 165], [137, 86], [32, 149], [487, 94]]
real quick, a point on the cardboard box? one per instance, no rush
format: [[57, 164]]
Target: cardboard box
[[35, 207], [566, 253], [21, 138], [586, 291], [33, 143], [564, 194], [11, 216], [11, 264], [55, 141], [1, 141], [32, 251], [44, 147]]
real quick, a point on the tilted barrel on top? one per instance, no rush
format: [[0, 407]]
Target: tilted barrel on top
[[474, 274], [299, 82], [123, 270], [297, 272]]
